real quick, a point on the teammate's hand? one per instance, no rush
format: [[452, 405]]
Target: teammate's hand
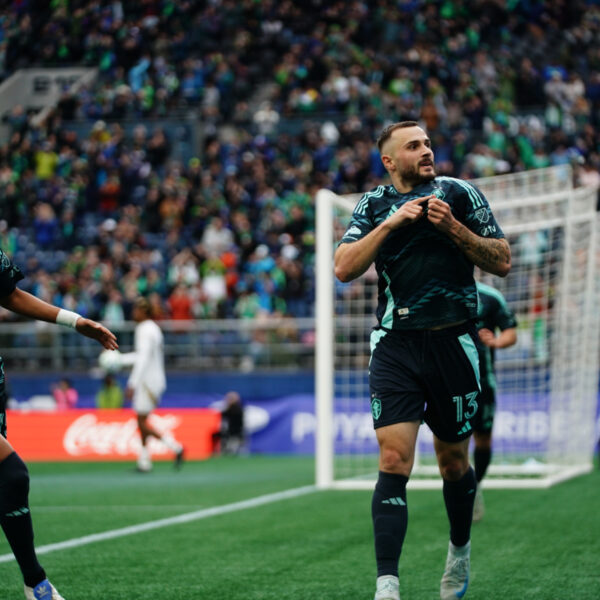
[[409, 212], [128, 393], [98, 332], [487, 337], [440, 214]]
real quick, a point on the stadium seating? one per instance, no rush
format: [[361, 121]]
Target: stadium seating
[[284, 104]]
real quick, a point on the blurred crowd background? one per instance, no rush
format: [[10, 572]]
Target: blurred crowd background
[[99, 203]]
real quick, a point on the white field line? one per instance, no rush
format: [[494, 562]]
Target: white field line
[[167, 522]]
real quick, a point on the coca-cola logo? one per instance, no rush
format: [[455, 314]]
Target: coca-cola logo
[[90, 435]]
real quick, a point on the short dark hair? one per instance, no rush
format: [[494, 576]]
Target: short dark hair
[[385, 135]]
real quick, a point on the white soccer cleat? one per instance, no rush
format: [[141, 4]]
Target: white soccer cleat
[[144, 462], [387, 588], [456, 574], [478, 505], [42, 591]]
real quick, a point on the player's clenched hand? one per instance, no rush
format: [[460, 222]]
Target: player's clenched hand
[[97, 332], [409, 212], [439, 214], [487, 337]]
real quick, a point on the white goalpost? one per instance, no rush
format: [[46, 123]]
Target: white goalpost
[[544, 428]]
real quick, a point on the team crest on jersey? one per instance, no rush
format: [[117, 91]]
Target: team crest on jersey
[[482, 215], [438, 193], [354, 230], [376, 407]]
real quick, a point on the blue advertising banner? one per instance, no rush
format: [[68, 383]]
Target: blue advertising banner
[[280, 413]]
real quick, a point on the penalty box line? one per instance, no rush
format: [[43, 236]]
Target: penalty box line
[[167, 522]]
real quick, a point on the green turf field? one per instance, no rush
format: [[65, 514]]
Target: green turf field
[[532, 544]]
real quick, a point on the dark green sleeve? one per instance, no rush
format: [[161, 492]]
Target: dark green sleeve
[[478, 216], [9, 275], [360, 224]]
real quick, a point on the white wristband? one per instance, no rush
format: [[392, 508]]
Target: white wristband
[[68, 318]]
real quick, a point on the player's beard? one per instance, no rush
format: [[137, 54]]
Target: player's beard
[[412, 175]]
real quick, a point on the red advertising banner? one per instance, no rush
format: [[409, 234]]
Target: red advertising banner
[[108, 434]]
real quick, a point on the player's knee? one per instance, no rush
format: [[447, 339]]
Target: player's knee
[[453, 468], [395, 460], [14, 477], [453, 463]]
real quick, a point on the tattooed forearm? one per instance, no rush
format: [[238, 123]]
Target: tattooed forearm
[[490, 254]]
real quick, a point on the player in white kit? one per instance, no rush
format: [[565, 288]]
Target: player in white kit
[[147, 381]]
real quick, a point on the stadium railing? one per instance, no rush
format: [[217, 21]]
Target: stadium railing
[[227, 344]]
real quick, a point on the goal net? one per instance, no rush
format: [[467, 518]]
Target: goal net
[[544, 428]]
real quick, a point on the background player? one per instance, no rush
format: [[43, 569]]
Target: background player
[[147, 381], [493, 315], [425, 234], [15, 516]]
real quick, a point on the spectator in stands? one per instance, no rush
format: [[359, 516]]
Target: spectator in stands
[[230, 438], [217, 238], [180, 303], [46, 161], [158, 148], [266, 119], [113, 312], [110, 395], [64, 394], [46, 226]]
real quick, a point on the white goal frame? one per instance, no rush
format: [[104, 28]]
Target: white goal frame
[[549, 193]]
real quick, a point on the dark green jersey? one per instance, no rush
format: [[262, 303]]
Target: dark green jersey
[[424, 279], [493, 313]]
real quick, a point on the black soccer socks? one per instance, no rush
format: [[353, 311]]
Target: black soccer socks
[[390, 518], [15, 518], [481, 458], [459, 497]]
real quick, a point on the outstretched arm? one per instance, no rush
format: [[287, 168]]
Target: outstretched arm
[[490, 254], [28, 305]]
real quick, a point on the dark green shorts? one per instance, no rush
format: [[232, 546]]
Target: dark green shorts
[[426, 375]]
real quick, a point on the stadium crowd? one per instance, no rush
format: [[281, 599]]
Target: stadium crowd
[[96, 218]]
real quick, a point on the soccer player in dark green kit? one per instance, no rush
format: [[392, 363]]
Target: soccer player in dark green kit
[[493, 315], [15, 518], [425, 234]]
